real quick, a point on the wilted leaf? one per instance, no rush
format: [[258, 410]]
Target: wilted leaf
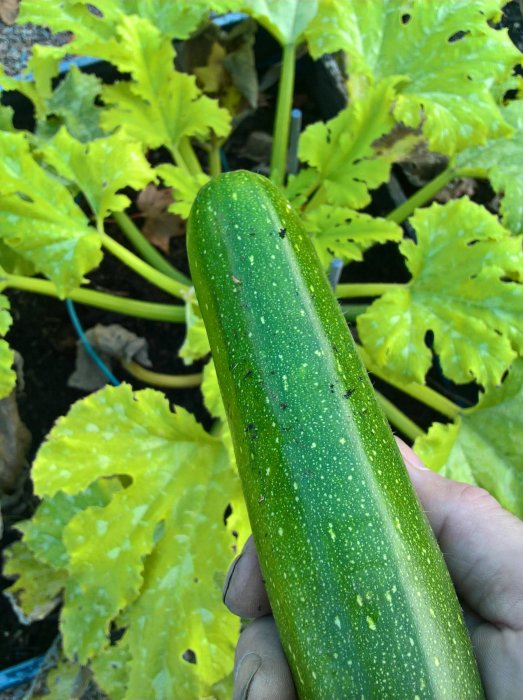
[[40, 221], [159, 225], [15, 439], [483, 446], [501, 160], [444, 57], [461, 290], [8, 11]]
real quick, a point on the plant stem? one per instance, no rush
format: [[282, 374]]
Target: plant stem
[[159, 279], [148, 251], [420, 392], [399, 419], [352, 311], [365, 290], [101, 300], [189, 156], [168, 381], [283, 115], [422, 196], [215, 164]]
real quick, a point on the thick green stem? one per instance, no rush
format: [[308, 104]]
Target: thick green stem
[[283, 116], [420, 392], [101, 300], [399, 420], [149, 253], [422, 196], [168, 381], [159, 279], [365, 290], [215, 165], [189, 156]]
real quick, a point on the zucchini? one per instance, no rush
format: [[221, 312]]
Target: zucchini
[[360, 592]]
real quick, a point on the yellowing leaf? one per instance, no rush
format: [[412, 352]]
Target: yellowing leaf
[[445, 53], [185, 187], [343, 151], [143, 552], [37, 588], [100, 169], [460, 290], [160, 105], [196, 344], [40, 221], [344, 233], [501, 160], [7, 374], [483, 446]]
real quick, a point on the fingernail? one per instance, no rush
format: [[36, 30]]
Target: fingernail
[[228, 578], [410, 456], [247, 668]]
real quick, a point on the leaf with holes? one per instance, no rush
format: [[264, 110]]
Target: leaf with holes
[[445, 57], [40, 221], [501, 160], [483, 446], [462, 289]]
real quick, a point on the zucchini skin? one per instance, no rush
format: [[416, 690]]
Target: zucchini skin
[[360, 592]]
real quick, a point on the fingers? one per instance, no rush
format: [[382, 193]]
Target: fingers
[[261, 671], [482, 543], [244, 593]]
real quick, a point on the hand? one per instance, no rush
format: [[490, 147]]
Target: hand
[[483, 547]]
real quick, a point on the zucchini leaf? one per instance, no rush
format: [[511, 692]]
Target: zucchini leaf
[[39, 220], [483, 447], [343, 151], [286, 21], [6, 117], [159, 105], [196, 344], [185, 187], [7, 374], [100, 169], [501, 160], [344, 233], [444, 56], [462, 289], [154, 557]]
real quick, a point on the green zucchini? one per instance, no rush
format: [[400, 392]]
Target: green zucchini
[[360, 592]]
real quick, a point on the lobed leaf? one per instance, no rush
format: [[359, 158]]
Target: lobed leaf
[[343, 151], [100, 168], [285, 21], [160, 105], [444, 56], [483, 446], [501, 160], [7, 374], [39, 220], [461, 289], [138, 554], [185, 187], [344, 233]]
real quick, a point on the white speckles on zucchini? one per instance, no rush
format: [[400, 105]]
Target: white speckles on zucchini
[[358, 587]]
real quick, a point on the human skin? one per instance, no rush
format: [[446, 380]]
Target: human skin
[[483, 547]]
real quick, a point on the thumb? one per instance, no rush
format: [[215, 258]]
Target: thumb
[[482, 542]]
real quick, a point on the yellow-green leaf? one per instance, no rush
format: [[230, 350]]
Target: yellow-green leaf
[[462, 269], [286, 21], [7, 374], [40, 221], [483, 447], [196, 343], [185, 187]]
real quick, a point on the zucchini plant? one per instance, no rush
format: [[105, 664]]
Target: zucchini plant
[[130, 536]]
